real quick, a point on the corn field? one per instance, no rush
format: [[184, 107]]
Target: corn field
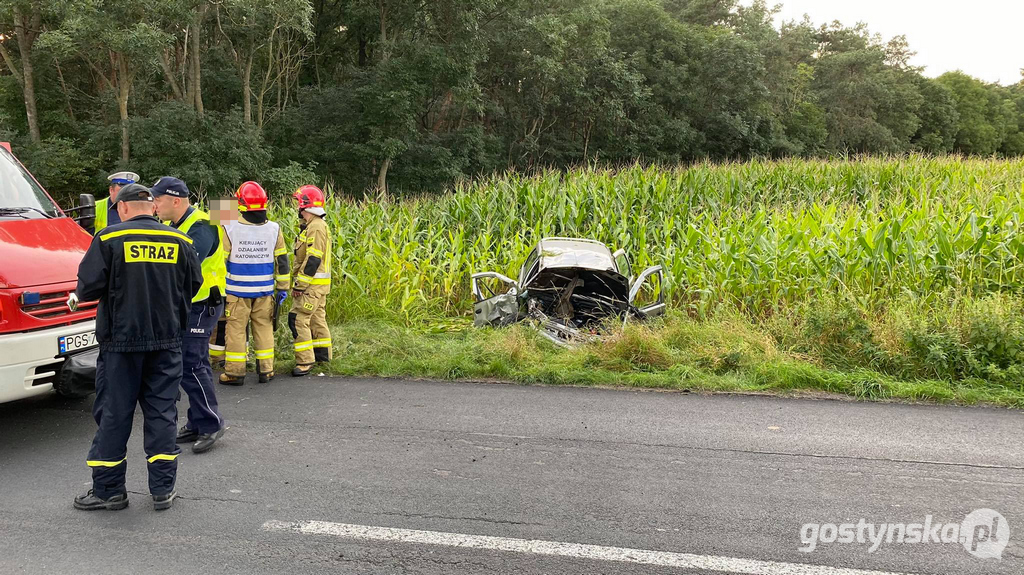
[[758, 236]]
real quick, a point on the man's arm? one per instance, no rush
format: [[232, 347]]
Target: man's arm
[[283, 276], [93, 272], [204, 239], [316, 243]]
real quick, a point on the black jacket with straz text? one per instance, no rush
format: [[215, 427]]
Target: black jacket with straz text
[[144, 275]]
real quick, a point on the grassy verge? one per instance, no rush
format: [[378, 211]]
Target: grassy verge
[[676, 353], [876, 278]]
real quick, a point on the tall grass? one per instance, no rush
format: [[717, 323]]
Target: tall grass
[[759, 237]]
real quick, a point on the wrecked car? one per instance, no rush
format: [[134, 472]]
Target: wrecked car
[[568, 288]]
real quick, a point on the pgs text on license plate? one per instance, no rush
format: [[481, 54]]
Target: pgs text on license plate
[[71, 343]]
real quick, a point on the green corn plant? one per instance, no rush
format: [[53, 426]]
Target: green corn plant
[[758, 236]]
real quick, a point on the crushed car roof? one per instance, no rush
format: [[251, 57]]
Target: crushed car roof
[[573, 253]]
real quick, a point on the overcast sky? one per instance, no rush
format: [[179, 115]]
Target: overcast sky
[[983, 38]]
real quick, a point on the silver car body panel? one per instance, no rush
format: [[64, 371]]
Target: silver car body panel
[[567, 287]]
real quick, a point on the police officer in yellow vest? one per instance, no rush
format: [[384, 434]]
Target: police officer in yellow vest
[[106, 209], [204, 425]]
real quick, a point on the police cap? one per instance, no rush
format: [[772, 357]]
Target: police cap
[[168, 186], [123, 178]]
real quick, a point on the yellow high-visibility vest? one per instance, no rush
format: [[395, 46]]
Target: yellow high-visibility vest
[[101, 215], [214, 267]]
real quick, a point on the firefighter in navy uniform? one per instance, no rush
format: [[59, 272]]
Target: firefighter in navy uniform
[[204, 424], [144, 275], [312, 282]]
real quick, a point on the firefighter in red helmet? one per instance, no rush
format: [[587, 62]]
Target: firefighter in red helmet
[[257, 283], [312, 273]]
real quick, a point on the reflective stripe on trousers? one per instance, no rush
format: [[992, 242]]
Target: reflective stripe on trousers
[[95, 463]]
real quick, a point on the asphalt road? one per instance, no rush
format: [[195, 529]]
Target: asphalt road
[[727, 481]]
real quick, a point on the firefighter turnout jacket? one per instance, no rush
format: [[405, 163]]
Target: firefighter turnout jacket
[[145, 276], [312, 256]]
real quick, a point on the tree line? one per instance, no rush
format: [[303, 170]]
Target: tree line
[[412, 95]]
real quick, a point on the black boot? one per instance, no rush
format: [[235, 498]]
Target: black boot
[[186, 435], [161, 502], [266, 377], [301, 370], [89, 502], [206, 441]]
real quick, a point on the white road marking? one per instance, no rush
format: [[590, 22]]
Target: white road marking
[[575, 550]]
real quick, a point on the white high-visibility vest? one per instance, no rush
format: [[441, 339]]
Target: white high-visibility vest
[[251, 261]]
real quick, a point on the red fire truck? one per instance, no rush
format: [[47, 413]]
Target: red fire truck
[[44, 346]]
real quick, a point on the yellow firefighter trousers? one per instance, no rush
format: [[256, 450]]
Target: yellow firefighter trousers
[[308, 322], [240, 313]]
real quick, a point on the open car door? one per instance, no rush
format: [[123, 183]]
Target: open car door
[[497, 300], [650, 285]]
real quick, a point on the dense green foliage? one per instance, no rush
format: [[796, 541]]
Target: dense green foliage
[[908, 267], [413, 96], [898, 276]]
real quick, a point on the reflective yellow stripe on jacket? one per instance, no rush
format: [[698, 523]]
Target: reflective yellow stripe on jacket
[[141, 232]]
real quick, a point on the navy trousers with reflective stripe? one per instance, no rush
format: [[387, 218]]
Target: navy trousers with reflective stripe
[[149, 379], [196, 374]]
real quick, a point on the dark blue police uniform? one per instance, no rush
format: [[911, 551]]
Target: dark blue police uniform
[[204, 417]]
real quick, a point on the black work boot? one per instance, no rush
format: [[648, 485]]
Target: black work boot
[[89, 502], [186, 435], [301, 370], [206, 441], [266, 377], [161, 502], [231, 379]]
